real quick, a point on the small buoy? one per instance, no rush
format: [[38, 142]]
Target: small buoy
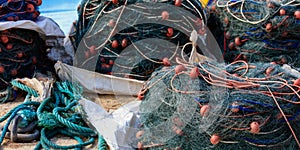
[[111, 62], [177, 130], [237, 41], [297, 14], [178, 3], [10, 18], [166, 61], [254, 127], [204, 110], [140, 146], [269, 70], [20, 55], [139, 134], [194, 73], [14, 72], [9, 46], [111, 23], [115, 44], [165, 15], [39, 2], [4, 39], [297, 82], [213, 8], [115, 2], [141, 96], [269, 27], [235, 108], [282, 12], [93, 50], [30, 8], [170, 32], [124, 43], [2, 70], [215, 139], [179, 68]]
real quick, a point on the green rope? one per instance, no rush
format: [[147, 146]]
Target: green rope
[[68, 123], [45, 140], [102, 145], [16, 108], [56, 115], [24, 88]]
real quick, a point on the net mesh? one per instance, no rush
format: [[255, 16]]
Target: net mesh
[[225, 107], [14, 10], [112, 34], [22, 53], [259, 31]]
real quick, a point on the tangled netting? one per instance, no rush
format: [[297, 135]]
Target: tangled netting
[[21, 53], [260, 31], [13, 10], [106, 28], [208, 105]]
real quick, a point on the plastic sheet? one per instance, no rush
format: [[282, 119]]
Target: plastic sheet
[[98, 83], [117, 127]]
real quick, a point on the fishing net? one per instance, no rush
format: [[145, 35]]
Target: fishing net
[[212, 106], [259, 31], [131, 38], [22, 52], [14, 10]]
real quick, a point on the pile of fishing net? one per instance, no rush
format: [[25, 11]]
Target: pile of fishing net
[[22, 53], [259, 31], [14, 10], [121, 37], [212, 105]]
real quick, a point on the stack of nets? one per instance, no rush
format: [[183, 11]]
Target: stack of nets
[[22, 52], [209, 105], [122, 37], [13, 10], [260, 31]]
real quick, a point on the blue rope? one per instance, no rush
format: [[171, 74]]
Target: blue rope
[[11, 116]]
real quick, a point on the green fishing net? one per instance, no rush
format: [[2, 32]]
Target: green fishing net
[[131, 38], [237, 106], [259, 31]]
